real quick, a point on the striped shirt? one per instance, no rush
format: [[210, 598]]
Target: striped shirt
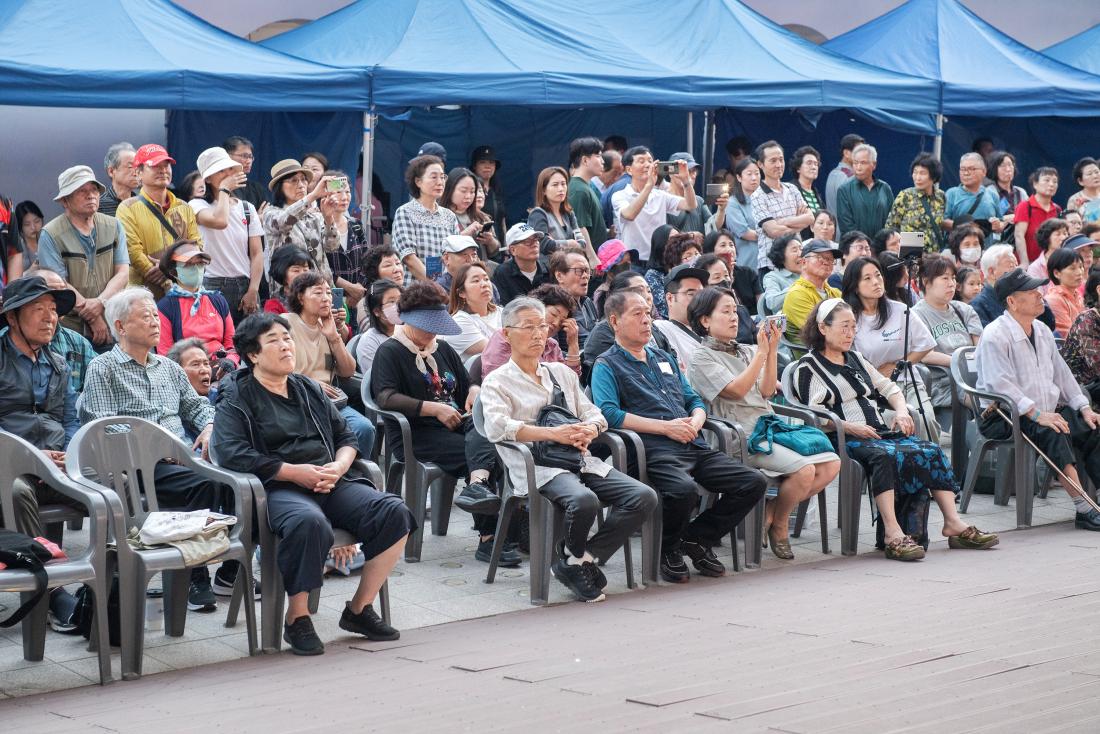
[[850, 390]]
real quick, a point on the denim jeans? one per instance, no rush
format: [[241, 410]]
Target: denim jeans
[[364, 430]]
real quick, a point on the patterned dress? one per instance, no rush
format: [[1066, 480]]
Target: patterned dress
[[910, 213]]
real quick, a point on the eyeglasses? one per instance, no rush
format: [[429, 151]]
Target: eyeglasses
[[970, 168], [579, 272], [437, 177], [242, 156], [534, 329]]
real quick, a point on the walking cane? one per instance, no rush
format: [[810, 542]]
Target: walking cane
[[1069, 482]]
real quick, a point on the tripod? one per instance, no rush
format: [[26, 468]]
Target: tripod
[[904, 366]]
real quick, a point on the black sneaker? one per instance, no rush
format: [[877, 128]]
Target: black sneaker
[[673, 568], [509, 556], [599, 581], [577, 579], [367, 623], [226, 576], [703, 558], [200, 597], [302, 638], [477, 497], [60, 614]]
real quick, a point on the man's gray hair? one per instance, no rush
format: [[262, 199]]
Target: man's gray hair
[[972, 157], [510, 316], [992, 255], [113, 153], [176, 352], [616, 304], [867, 148], [119, 305]]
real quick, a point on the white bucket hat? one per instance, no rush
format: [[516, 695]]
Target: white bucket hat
[[73, 178], [213, 160]]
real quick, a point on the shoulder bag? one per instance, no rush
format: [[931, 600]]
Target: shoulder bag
[[19, 551], [551, 453]]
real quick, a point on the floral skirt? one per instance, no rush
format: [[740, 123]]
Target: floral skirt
[[903, 464]]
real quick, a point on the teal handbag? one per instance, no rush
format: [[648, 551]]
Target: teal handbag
[[803, 440]]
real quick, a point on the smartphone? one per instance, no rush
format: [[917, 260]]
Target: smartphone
[[668, 168], [336, 184], [337, 299], [714, 190], [578, 235], [487, 227], [912, 245], [780, 321]]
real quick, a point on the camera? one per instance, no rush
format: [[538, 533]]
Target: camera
[[714, 190], [668, 168]]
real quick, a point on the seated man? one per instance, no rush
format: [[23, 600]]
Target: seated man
[[37, 402], [602, 337], [1017, 357], [681, 285], [811, 288], [459, 250], [130, 380], [570, 269], [642, 389], [190, 354], [995, 262], [512, 397], [524, 272]]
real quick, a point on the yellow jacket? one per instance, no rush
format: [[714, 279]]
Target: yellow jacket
[[800, 300], [146, 237]]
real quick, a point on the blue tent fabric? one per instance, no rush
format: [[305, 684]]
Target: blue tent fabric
[[151, 54], [1081, 51], [984, 72]]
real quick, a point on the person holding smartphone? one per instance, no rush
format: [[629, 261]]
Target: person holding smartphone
[[464, 195], [347, 260]]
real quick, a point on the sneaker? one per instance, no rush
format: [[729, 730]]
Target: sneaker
[[200, 597], [60, 614], [477, 497], [225, 578], [577, 579], [673, 568], [302, 638], [703, 558], [367, 623], [599, 581], [509, 556]]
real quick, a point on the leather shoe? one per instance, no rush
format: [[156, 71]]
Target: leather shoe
[[1087, 520]]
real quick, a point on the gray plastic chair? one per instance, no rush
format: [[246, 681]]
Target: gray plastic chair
[[415, 477], [116, 458], [18, 458], [1018, 471], [547, 519]]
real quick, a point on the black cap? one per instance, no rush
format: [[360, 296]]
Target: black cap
[[817, 245], [484, 153], [433, 149], [22, 291], [1015, 281], [686, 270]]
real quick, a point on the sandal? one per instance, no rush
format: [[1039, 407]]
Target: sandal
[[904, 549], [781, 547], [973, 539]]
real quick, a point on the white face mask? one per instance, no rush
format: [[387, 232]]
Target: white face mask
[[970, 254]]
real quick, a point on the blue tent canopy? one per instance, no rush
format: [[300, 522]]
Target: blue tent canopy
[[1081, 51], [984, 72], [145, 54]]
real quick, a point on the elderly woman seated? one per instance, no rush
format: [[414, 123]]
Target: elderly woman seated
[[512, 397], [836, 377], [280, 426]]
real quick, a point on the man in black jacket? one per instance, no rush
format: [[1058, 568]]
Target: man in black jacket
[[524, 272]]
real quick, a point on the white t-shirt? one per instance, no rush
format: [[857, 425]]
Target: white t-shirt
[[228, 248], [638, 234], [880, 346], [682, 342], [474, 329]]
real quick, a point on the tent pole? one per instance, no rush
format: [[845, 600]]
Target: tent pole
[[369, 121], [711, 121], [691, 134], [937, 142]]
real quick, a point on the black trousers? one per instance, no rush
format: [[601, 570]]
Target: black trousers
[[1058, 446], [179, 488], [581, 495], [676, 474]]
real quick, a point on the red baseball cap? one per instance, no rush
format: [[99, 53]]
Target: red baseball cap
[[152, 154]]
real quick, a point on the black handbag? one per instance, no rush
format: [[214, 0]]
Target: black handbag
[[551, 453], [19, 551]]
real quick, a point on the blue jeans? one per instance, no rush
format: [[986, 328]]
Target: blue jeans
[[364, 430]]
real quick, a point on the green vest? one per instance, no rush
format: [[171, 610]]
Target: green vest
[[89, 279]]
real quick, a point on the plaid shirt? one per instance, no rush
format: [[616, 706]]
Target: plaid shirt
[[417, 231], [768, 204], [157, 391], [348, 264]]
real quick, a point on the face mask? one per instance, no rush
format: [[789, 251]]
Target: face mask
[[970, 254], [723, 284], [190, 276]]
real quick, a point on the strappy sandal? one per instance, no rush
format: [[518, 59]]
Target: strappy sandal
[[973, 539], [904, 549], [781, 547]]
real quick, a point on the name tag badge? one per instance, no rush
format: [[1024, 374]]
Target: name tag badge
[[665, 367]]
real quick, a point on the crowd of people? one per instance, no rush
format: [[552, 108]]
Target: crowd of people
[[247, 314]]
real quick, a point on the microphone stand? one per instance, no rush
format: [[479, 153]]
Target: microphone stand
[[904, 366]]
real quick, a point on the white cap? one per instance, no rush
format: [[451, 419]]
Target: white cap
[[213, 160], [519, 232], [458, 242]]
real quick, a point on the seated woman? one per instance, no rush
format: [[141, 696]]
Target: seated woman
[[1050, 236], [559, 307], [1067, 272], [746, 281], [380, 295], [886, 239], [785, 254], [736, 381], [189, 310], [281, 427], [898, 287], [382, 262], [720, 277], [417, 374], [838, 378], [965, 245], [1082, 346], [880, 335], [318, 335], [287, 263], [472, 308]]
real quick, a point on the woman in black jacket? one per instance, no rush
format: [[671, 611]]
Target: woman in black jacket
[[303, 452]]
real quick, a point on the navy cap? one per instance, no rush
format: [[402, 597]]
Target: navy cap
[[817, 245], [433, 149], [687, 270]]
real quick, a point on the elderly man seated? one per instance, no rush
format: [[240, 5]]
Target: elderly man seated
[[1018, 358], [130, 380], [642, 389], [37, 402], [512, 397], [811, 288]]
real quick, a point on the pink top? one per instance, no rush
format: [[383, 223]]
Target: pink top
[[1067, 304], [207, 325], [498, 351]]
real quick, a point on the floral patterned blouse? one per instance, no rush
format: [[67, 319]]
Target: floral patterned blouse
[[908, 214], [1081, 349], [302, 225]]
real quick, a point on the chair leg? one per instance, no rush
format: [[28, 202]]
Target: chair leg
[[504, 520], [384, 601], [752, 525], [55, 531], [542, 537], [1003, 489], [973, 469], [823, 520], [800, 518], [242, 589], [415, 497], [1025, 482], [271, 601], [34, 627], [175, 601], [651, 544], [443, 493], [314, 600], [628, 555], [131, 607]]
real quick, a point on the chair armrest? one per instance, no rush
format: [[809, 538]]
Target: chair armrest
[[116, 527], [374, 474], [616, 445], [241, 485], [1014, 411], [94, 503], [724, 432], [528, 462], [632, 439], [403, 426], [730, 432]]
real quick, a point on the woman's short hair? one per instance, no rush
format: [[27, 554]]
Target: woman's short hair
[[376, 293], [457, 302], [675, 247], [1080, 166], [301, 284], [119, 305], [811, 334], [848, 238], [1061, 259], [706, 261], [933, 266], [849, 288], [167, 265], [703, 304], [417, 167], [176, 352], [549, 294], [878, 244], [930, 163], [777, 253], [373, 257], [246, 337], [1039, 172], [422, 294], [543, 181], [510, 315], [284, 258], [1046, 231], [960, 233], [800, 155], [319, 157]]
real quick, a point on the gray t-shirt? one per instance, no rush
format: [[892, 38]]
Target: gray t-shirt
[[951, 329]]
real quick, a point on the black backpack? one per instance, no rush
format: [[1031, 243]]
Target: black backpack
[[19, 551], [912, 514]]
